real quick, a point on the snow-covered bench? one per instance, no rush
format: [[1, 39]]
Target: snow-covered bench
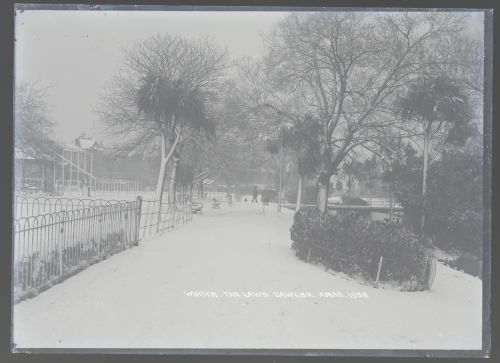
[[196, 207], [215, 203]]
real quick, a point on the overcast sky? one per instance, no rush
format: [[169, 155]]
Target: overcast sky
[[75, 53]]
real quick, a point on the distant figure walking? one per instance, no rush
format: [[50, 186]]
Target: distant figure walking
[[255, 194], [82, 187]]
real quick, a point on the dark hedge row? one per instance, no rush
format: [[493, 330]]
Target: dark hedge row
[[353, 244]]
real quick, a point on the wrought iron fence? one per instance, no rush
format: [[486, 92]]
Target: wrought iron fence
[[29, 206], [57, 237], [50, 247], [157, 217], [100, 187]]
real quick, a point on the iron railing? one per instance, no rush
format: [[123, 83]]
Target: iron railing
[[157, 217], [57, 237], [101, 187], [30, 206], [51, 247]]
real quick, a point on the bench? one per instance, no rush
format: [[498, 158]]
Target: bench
[[196, 207], [215, 203]]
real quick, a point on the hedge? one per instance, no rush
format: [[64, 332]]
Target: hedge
[[353, 244]]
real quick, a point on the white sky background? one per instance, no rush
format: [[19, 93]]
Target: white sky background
[[75, 53]]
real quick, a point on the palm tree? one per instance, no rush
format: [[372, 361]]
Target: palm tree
[[303, 138], [178, 112], [433, 103]]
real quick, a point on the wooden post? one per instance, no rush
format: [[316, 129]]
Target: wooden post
[[378, 272]]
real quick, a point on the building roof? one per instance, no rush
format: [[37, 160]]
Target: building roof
[[87, 142]]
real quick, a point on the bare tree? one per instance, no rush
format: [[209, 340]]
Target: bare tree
[[161, 93], [347, 68], [33, 126]]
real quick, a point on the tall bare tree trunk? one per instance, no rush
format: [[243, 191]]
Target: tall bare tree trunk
[[165, 158], [299, 194], [161, 178], [200, 189], [323, 185], [279, 191], [424, 177], [173, 181], [163, 168], [281, 167]]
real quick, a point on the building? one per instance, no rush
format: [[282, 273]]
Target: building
[[35, 170]]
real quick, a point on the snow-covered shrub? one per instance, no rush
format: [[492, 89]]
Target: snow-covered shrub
[[353, 244]]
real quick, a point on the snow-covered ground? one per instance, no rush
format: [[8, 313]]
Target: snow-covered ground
[[139, 298]]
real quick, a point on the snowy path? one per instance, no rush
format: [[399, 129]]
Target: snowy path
[[137, 299]]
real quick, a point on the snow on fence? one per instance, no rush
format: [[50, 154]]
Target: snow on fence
[[51, 247], [110, 188], [56, 237], [28, 206], [156, 217]]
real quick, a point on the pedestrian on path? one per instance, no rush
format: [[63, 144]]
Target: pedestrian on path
[[255, 194]]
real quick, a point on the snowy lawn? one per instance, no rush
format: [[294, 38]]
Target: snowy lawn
[[139, 297]]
